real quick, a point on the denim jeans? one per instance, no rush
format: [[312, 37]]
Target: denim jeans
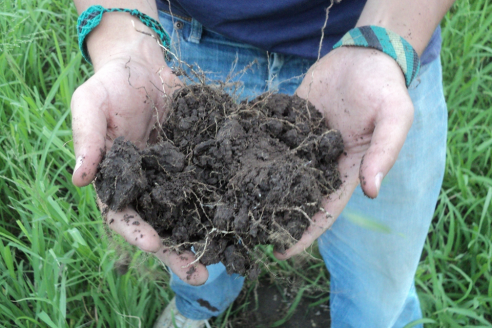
[[372, 271]]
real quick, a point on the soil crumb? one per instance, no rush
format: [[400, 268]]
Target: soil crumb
[[226, 177]]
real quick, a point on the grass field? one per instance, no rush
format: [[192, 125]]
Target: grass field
[[58, 267]]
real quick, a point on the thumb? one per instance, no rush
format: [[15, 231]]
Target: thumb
[[390, 132], [89, 126]]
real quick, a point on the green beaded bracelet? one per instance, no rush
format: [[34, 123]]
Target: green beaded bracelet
[[91, 17], [388, 42]]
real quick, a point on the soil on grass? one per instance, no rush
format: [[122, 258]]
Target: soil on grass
[[226, 177]]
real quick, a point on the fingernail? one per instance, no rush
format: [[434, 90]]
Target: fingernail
[[78, 163], [379, 179]]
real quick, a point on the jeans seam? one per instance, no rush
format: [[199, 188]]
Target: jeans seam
[[188, 19], [200, 30]]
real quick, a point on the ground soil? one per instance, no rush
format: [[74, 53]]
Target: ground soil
[[267, 304], [226, 177]]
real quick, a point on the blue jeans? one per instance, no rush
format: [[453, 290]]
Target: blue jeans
[[372, 271]]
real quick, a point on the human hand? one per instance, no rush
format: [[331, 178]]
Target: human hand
[[362, 93], [128, 96]]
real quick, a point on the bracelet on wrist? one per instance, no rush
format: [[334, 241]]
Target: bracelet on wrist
[[92, 16], [388, 42]]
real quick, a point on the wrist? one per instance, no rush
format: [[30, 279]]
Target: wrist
[[370, 61], [415, 21], [387, 42], [117, 37]]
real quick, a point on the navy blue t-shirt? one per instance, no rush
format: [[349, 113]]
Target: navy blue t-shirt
[[290, 27]]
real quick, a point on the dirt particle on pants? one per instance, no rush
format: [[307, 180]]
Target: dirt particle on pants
[[207, 305]]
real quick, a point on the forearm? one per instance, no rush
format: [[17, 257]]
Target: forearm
[[413, 20], [117, 36]]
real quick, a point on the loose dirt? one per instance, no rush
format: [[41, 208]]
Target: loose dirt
[[271, 305], [226, 177]]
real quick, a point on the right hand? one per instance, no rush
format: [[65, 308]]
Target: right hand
[[128, 96], [373, 113]]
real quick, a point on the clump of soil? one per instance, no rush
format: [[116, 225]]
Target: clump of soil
[[226, 177]]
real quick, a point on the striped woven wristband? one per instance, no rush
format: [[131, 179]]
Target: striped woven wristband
[[91, 17], [388, 42]]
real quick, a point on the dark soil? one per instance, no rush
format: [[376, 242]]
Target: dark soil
[[272, 305], [226, 177]]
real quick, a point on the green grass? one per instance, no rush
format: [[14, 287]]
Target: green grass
[[57, 263], [56, 268], [454, 277]]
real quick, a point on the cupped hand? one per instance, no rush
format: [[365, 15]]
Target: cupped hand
[[127, 96], [362, 93]]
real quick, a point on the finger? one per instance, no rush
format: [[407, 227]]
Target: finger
[[136, 231], [387, 140], [89, 126], [185, 266]]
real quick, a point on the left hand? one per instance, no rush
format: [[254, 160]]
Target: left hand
[[362, 93]]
